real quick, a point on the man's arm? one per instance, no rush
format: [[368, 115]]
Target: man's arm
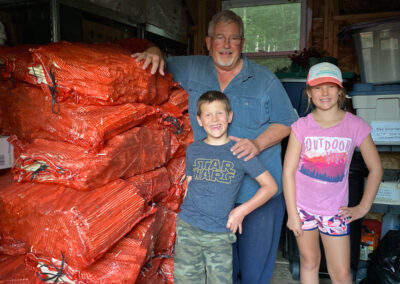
[[247, 148], [152, 56]]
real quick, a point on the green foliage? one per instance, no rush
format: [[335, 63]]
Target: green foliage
[[271, 27]]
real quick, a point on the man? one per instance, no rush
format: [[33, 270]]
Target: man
[[263, 115]]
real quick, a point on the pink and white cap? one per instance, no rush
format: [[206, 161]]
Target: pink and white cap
[[324, 73]]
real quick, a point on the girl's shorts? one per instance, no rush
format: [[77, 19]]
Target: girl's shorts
[[329, 225]]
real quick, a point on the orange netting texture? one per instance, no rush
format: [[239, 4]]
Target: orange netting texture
[[99, 146]]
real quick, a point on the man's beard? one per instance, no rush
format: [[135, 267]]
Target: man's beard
[[225, 63]]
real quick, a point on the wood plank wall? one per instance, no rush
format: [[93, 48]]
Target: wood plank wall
[[201, 12], [328, 18]]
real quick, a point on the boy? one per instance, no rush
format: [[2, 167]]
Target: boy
[[207, 224]]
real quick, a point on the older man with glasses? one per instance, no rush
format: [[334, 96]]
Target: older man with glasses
[[262, 118]]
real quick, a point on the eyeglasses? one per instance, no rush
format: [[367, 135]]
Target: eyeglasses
[[234, 40]]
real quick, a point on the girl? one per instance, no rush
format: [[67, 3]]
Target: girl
[[315, 176]]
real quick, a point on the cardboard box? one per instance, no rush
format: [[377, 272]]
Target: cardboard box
[[6, 153]]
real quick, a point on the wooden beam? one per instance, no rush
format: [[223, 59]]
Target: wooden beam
[[328, 25], [366, 16], [335, 30], [310, 34], [202, 27]]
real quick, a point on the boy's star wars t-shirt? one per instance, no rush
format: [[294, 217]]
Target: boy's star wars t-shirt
[[216, 178], [322, 175]]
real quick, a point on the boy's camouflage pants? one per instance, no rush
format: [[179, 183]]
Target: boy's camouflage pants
[[202, 257]]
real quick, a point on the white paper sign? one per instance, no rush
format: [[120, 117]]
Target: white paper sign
[[386, 131]]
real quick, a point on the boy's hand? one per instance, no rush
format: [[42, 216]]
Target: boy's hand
[[352, 213], [235, 220], [294, 224]]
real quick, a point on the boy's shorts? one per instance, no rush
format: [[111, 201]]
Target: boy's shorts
[[333, 225], [201, 256]]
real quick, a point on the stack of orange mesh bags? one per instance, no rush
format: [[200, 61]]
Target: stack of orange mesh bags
[[99, 146]]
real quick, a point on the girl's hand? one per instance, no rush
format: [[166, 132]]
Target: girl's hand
[[352, 213], [235, 220], [294, 224]]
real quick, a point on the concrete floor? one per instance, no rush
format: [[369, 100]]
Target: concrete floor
[[282, 274]]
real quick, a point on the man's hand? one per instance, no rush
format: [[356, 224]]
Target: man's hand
[[152, 56], [244, 148]]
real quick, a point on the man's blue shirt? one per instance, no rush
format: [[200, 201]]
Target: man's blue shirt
[[257, 99]]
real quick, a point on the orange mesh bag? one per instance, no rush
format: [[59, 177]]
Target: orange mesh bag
[[27, 112], [81, 226], [19, 146], [10, 246], [174, 198], [154, 269], [167, 233], [133, 45], [98, 74], [185, 137], [181, 128], [178, 124], [179, 98], [13, 271], [176, 169], [133, 152], [153, 185], [176, 193], [15, 62], [159, 270], [120, 264]]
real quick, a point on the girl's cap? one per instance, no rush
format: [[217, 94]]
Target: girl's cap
[[324, 73]]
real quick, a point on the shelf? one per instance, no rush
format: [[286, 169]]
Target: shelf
[[385, 208], [84, 6]]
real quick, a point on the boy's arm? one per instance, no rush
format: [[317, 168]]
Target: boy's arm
[[374, 165], [265, 192], [187, 180], [290, 164]]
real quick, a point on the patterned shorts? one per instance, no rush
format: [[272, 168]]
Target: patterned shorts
[[202, 257], [329, 225]]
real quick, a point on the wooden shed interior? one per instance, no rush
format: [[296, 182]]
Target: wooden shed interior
[[88, 21]]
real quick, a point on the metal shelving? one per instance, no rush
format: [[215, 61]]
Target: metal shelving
[[55, 7]]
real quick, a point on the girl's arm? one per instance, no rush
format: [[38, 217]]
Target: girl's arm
[[374, 165], [265, 192], [290, 164]]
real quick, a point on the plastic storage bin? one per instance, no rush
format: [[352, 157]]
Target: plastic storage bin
[[390, 222], [378, 50], [379, 105]]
